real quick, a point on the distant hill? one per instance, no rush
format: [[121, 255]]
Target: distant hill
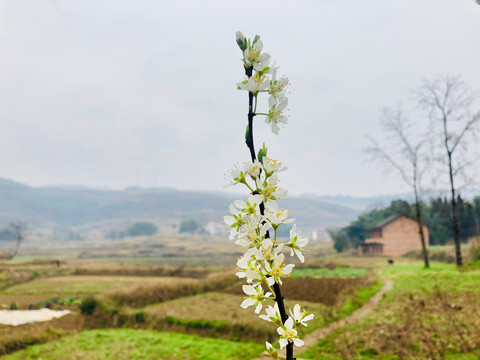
[[77, 206], [381, 201], [361, 203]]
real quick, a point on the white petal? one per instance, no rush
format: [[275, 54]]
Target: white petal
[[252, 274], [258, 308], [271, 101], [297, 311], [283, 342], [240, 204], [282, 104], [267, 243], [308, 317], [275, 128], [247, 302], [280, 193], [288, 269], [249, 289], [289, 323], [298, 342], [302, 242], [255, 199], [229, 220], [300, 255], [265, 317]]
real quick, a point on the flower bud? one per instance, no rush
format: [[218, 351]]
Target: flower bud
[[271, 350], [241, 40], [262, 153]]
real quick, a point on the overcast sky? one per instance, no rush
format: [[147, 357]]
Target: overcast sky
[[123, 93]]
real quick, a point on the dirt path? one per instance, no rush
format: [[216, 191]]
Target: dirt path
[[312, 338]]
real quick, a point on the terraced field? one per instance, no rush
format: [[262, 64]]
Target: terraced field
[[208, 306]]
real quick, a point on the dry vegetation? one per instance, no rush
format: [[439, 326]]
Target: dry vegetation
[[328, 291], [12, 339], [142, 295]]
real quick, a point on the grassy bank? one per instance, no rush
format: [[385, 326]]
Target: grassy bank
[[429, 314], [138, 344]]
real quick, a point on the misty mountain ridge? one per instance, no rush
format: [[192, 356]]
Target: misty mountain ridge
[[74, 206]]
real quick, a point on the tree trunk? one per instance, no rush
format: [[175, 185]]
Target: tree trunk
[[456, 225], [418, 210]]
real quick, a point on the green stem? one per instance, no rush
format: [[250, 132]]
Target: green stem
[[248, 186]]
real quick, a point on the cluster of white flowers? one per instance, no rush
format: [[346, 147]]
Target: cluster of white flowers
[[262, 264], [253, 220], [264, 79]]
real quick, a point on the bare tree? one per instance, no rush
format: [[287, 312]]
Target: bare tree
[[449, 101], [407, 155], [16, 233]]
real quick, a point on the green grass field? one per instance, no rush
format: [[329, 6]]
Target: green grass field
[[138, 344], [445, 276], [430, 313], [308, 272]]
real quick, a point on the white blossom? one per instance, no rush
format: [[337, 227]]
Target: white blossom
[[255, 297], [276, 216], [271, 166], [275, 114], [270, 190], [300, 316], [253, 231], [253, 84], [276, 87], [235, 221], [273, 314], [278, 269], [297, 243], [254, 56], [251, 206], [288, 334], [268, 252], [253, 168], [236, 175]]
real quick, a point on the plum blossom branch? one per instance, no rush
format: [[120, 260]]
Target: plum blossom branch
[[251, 220]]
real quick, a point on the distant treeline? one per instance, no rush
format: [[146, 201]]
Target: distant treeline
[[140, 228], [436, 215]]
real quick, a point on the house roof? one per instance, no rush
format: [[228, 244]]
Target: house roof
[[371, 243], [387, 221]]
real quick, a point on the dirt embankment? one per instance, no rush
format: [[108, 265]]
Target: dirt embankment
[[328, 291]]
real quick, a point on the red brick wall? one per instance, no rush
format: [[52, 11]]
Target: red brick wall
[[401, 235]]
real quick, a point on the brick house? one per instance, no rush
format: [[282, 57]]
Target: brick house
[[394, 236]]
